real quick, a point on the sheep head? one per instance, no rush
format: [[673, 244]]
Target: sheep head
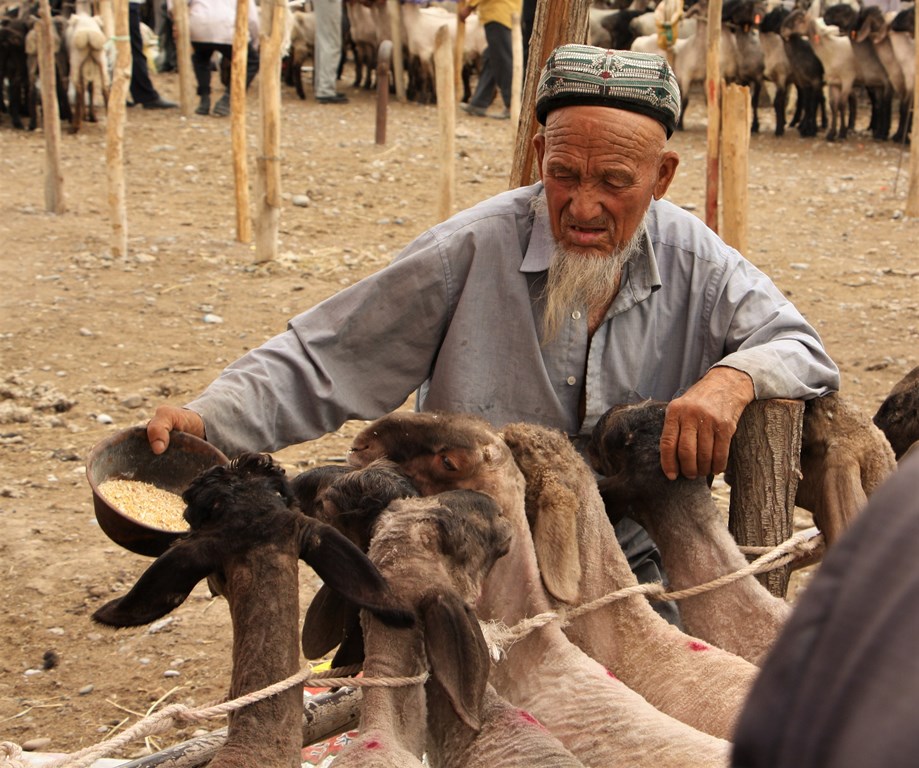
[[235, 509]]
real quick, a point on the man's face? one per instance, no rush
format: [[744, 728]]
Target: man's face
[[601, 167]]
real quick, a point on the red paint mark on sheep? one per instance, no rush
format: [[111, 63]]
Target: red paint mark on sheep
[[373, 744], [529, 719], [610, 674], [695, 645]]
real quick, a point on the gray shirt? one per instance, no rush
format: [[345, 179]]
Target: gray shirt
[[457, 317]]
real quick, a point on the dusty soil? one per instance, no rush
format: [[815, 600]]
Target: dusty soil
[[90, 344]]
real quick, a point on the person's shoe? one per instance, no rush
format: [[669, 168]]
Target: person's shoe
[[505, 114], [160, 103], [222, 107], [204, 106], [473, 110], [338, 98]]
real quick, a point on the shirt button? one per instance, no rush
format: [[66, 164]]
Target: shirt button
[[571, 380], [576, 315]]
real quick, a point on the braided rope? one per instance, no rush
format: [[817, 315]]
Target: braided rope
[[180, 713], [500, 637]]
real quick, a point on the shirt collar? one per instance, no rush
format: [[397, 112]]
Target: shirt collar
[[641, 278]]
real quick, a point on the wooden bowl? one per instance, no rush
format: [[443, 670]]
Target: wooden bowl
[[127, 455]]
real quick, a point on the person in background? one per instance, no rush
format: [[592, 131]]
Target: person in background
[[546, 304], [143, 91], [498, 58], [328, 51], [211, 27]]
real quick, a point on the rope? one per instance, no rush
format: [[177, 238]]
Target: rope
[[500, 637], [179, 713]]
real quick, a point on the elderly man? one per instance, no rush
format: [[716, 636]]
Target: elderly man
[[546, 304]]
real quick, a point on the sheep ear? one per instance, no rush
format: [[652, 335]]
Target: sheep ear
[[553, 525], [457, 654], [842, 498], [351, 650], [343, 567], [324, 623], [163, 587]]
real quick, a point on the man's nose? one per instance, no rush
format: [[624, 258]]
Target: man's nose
[[585, 204]]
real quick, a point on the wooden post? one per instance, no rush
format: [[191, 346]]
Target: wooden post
[[556, 22], [713, 98], [51, 123], [183, 57], [114, 131], [516, 75], [763, 470], [912, 194], [398, 66], [268, 188], [383, 57], [108, 17], [446, 112], [459, 50], [736, 120], [238, 120]]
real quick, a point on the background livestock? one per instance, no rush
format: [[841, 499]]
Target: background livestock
[[89, 344]]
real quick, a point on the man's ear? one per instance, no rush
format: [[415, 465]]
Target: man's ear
[[666, 170], [539, 144]]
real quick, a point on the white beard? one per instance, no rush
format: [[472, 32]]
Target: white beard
[[578, 281]]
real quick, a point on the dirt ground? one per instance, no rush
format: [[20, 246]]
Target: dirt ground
[[90, 345]]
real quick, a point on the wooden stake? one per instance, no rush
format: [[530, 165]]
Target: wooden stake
[[268, 189], [114, 130], [383, 57], [763, 470], [556, 22], [516, 75], [238, 120], [183, 57], [912, 194], [398, 66], [446, 112], [51, 123], [736, 120], [459, 51], [713, 98]]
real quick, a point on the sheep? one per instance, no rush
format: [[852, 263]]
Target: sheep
[[898, 416], [902, 40], [580, 561], [844, 457], [835, 53], [302, 44], [85, 43], [61, 65], [14, 68], [434, 553], [806, 73], [683, 520], [593, 713], [366, 29], [245, 528], [776, 66]]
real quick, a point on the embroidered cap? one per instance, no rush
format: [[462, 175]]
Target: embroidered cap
[[587, 75]]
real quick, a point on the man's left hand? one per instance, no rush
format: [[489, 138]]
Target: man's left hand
[[699, 424]]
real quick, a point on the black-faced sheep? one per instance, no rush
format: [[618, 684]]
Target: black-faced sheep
[[898, 415], [595, 715], [683, 520], [14, 68], [245, 528]]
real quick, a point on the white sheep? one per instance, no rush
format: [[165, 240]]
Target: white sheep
[[85, 43]]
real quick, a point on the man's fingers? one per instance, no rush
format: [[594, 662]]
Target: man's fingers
[[670, 435]]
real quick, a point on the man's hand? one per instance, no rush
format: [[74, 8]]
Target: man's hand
[[699, 425], [168, 418]]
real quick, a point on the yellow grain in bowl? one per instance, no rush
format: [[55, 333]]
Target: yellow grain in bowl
[[146, 503]]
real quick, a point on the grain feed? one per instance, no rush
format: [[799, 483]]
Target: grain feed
[[146, 503]]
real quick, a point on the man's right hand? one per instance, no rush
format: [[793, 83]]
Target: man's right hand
[[168, 418]]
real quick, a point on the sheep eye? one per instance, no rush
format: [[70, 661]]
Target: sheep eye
[[449, 464]]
